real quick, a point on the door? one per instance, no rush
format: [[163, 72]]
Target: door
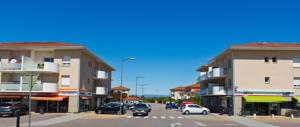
[[198, 109]]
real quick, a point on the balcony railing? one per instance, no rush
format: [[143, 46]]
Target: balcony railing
[[101, 90], [101, 74], [214, 90], [24, 87], [213, 73]]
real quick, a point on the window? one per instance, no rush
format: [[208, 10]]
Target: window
[[266, 59], [297, 82], [0, 59], [274, 59], [296, 62], [48, 59], [90, 64], [88, 81], [229, 63], [66, 60], [267, 80], [65, 80]]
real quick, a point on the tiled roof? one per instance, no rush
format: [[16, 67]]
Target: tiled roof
[[15, 44], [120, 88], [180, 88], [194, 86], [265, 44], [132, 98]]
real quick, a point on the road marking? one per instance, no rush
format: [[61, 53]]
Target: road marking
[[200, 124], [163, 117], [129, 117], [250, 123], [230, 124], [175, 124], [154, 117], [179, 117], [137, 117], [146, 117], [171, 117]]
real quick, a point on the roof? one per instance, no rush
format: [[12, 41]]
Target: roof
[[269, 46], [132, 98], [54, 45], [194, 86], [266, 44], [120, 88], [180, 88], [17, 44]]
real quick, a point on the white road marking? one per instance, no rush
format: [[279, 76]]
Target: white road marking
[[200, 124], [230, 124], [163, 117], [146, 117], [175, 124], [179, 117], [129, 117], [137, 117], [154, 117], [171, 117]]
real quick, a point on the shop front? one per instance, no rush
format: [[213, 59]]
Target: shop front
[[263, 105], [57, 104]]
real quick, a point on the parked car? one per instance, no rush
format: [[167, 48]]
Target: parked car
[[182, 104], [11, 108], [111, 107], [169, 106], [149, 107], [140, 109], [194, 109]]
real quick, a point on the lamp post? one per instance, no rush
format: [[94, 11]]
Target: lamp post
[[136, 84], [122, 64]]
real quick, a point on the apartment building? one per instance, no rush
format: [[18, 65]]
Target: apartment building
[[184, 92], [256, 78], [65, 77]]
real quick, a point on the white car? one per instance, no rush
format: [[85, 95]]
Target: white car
[[194, 109]]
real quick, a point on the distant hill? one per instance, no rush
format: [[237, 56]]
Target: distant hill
[[154, 95]]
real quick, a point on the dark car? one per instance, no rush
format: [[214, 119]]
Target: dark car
[[112, 107], [9, 109], [149, 107], [140, 109], [171, 106]]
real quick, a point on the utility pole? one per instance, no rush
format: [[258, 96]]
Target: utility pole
[[143, 88], [136, 84]]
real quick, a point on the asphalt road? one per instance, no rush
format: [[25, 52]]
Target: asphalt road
[[159, 117]]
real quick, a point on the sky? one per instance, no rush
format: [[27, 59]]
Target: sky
[[170, 39]]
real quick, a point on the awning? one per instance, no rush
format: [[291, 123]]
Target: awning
[[47, 98], [10, 97], [266, 99], [297, 98], [86, 98]]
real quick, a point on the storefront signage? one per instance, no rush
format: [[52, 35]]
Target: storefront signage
[[87, 94], [69, 93]]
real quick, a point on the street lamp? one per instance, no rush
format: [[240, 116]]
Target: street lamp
[[136, 83], [122, 64]]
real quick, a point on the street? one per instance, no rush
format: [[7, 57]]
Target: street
[[159, 117]]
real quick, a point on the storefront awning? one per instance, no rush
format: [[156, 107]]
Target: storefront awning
[[266, 99], [47, 98], [297, 98], [10, 97]]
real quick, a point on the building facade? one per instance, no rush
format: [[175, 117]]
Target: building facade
[[184, 92], [258, 78], [65, 77]]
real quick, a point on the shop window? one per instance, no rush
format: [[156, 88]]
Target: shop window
[[266, 59], [267, 80], [297, 82], [65, 80]]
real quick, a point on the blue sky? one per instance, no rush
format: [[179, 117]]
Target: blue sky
[[170, 39]]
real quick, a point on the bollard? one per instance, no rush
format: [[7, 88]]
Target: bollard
[[272, 116], [254, 115], [18, 118], [292, 116]]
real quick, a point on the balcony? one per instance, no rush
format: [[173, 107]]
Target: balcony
[[213, 73], [101, 91], [101, 75], [24, 87], [213, 90], [29, 66]]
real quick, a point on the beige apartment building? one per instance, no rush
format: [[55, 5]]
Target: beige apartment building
[[258, 78], [66, 77]]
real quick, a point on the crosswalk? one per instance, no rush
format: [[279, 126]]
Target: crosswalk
[[155, 117]]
